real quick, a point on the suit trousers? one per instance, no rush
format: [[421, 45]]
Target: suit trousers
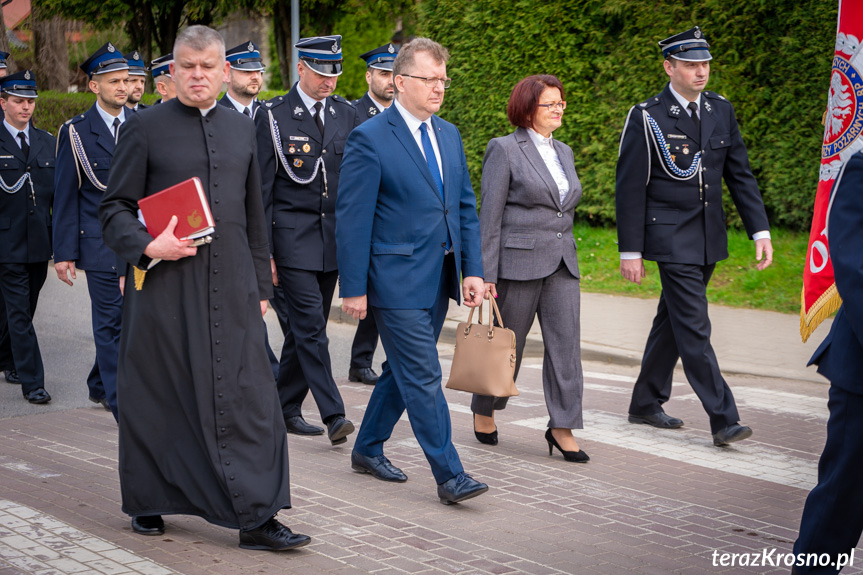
[[833, 515], [279, 306], [20, 285], [411, 380], [681, 329], [556, 301], [365, 342], [6, 361], [305, 362], [106, 312]]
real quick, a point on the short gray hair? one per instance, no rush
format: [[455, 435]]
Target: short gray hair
[[200, 38], [405, 58]]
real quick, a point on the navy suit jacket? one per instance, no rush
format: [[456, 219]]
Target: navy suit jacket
[[77, 231], [840, 355], [25, 226], [391, 225]]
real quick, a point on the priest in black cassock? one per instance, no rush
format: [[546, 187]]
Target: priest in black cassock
[[201, 432]]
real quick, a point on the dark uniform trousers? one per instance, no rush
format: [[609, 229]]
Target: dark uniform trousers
[[670, 209], [25, 248], [78, 238], [303, 240]]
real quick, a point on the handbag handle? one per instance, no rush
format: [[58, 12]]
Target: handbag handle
[[493, 312]]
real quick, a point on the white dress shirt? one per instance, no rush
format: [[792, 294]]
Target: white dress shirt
[[14, 131], [414, 128], [684, 103], [109, 119], [310, 102], [546, 150], [240, 108]]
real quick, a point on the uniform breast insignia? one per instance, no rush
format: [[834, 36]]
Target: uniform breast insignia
[[674, 109], [332, 112], [685, 149], [707, 106], [298, 111], [307, 148], [298, 163], [292, 149], [372, 110], [676, 137], [299, 138]]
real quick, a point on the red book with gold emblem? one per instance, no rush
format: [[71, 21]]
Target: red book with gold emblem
[[185, 200]]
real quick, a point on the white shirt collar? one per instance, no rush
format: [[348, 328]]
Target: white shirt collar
[[379, 106], [109, 119], [310, 102], [412, 121], [205, 112], [240, 107], [539, 139], [684, 103], [14, 131]]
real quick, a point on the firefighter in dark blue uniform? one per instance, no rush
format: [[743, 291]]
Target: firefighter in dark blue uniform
[[26, 197], [301, 139], [675, 150]]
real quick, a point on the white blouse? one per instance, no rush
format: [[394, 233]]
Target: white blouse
[[546, 150]]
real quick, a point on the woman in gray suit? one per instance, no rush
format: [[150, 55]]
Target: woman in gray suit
[[529, 193]]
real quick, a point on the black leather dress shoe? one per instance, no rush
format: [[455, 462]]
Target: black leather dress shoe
[[363, 374], [38, 396], [102, 401], [659, 419], [378, 466], [730, 434], [148, 525], [298, 426], [338, 429], [459, 488], [11, 376], [272, 536]]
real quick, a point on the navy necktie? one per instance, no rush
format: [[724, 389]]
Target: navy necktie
[[695, 119], [431, 159], [25, 148], [116, 129]]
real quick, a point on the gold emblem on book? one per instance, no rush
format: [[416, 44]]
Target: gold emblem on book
[[194, 219]]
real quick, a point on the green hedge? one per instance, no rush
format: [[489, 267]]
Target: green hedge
[[771, 59], [54, 108]]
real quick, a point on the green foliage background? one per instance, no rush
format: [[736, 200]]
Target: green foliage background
[[772, 59]]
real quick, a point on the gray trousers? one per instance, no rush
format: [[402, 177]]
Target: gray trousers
[[556, 300]]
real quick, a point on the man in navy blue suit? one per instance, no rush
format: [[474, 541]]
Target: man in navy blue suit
[[407, 229], [833, 515], [84, 152]]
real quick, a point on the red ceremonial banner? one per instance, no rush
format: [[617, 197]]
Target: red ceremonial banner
[[843, 125]]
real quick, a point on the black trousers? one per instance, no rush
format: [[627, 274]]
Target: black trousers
[[365, 342], [681, 329], [305, 363], [6, 361], [20, 285]]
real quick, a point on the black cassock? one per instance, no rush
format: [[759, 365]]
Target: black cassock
[[201, 429]]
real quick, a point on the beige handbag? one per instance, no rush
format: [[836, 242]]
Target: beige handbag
[[484, 358]]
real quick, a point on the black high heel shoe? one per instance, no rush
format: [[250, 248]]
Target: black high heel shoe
[[578, 456], [486, 438]]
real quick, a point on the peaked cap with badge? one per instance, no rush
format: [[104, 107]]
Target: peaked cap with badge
[[245, 57], [381, 58], [323, 54], [160, 66], [105, 59], [690, 45], [21, 84], [136, 64]]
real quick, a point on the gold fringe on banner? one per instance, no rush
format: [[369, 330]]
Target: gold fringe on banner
[[140, 276], [823, 307]]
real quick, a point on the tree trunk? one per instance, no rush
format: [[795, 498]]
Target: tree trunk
[[282, 34], [49, 50]]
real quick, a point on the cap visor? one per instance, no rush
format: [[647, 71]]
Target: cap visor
[[334, 69], [693, 56]]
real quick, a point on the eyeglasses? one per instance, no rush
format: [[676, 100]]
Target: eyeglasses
[[552, 106], [431, 82]]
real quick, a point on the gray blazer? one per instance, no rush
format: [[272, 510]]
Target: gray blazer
[[526, 232]]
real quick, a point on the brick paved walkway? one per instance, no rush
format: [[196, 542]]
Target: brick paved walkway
[[649, 501]]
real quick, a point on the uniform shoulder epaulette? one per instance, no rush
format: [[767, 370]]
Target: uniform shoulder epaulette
[[648, 103], [714, 95], [273, 102], [340, 100], [355, 103], [74, 119], [43, 131]]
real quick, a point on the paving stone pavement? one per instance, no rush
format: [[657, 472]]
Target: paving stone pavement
[[649, 501]]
